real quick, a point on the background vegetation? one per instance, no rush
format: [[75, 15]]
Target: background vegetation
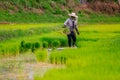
[[38, 11]]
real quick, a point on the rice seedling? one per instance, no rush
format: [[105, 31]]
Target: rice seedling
[[41, 55], [96, 57]]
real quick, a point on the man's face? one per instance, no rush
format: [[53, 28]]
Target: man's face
[[73, 17]]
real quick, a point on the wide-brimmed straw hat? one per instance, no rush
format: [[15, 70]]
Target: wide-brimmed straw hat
[[73, 15]]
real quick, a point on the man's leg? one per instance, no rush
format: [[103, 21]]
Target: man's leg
[[69, 39], [74, 39]]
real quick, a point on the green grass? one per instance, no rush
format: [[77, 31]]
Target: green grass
[[89, 34], [97, 57], [27, 26], [89, 63], [31, 17], [9, 31], [94, 60]]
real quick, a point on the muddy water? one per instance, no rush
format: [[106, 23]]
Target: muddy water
[[22, 67]]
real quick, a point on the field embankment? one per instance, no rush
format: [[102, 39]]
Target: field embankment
[[56, 11]]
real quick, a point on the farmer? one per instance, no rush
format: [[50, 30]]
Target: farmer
[[71, 24]]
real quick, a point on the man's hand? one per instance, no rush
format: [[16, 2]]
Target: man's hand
[[64, 26], [78, 33]]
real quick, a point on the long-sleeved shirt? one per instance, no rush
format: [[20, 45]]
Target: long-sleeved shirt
[[71, 24]]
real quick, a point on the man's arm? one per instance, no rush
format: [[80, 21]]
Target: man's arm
[[76, 28], [65, 23]]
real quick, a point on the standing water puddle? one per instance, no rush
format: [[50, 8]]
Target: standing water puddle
[[23, 67]]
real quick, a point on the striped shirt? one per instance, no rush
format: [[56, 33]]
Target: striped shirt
[[71, 24]]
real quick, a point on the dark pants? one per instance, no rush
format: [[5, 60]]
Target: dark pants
[[71, 39]]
